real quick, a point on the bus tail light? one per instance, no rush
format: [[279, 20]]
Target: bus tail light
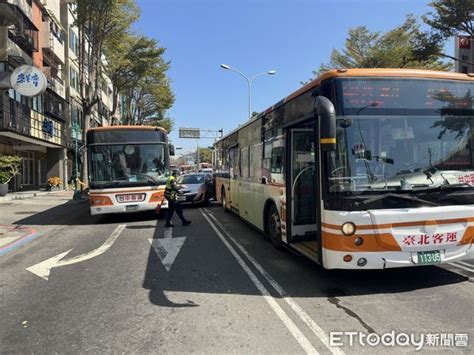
[[156, 197], [347, 258], [100, 201], [358, 241]]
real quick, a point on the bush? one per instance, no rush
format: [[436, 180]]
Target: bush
[[9, 167], [54, 181], [4, 177]]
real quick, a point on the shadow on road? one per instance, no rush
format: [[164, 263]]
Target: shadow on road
[[204, 265], [78, 213]]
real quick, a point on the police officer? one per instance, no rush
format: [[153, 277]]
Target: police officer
[[171, 194]]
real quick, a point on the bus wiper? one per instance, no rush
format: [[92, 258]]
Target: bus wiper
[[402, 197], [151, 179], [447, 187]]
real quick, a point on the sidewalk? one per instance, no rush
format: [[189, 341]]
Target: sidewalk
[[16, 207], [22, 195]]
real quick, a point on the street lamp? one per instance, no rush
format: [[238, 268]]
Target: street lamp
[[249, 82]]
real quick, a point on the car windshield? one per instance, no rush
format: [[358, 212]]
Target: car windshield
[[128, 164], [383, 146], [192, 179]]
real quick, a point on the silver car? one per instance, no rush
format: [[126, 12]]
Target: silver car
[[199, 188]]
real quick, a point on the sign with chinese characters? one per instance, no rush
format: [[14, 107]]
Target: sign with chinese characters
[[425, 239], [28, 81], [48, 127], [467, 178], [189, 133]]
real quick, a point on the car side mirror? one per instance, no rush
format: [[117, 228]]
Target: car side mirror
[[327, 123]]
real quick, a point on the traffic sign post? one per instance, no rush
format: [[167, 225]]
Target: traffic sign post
[[464, 52], [197, 133]]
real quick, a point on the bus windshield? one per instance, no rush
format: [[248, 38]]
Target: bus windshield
[[128, 165], [402, 134]]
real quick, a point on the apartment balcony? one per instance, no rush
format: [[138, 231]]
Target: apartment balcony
[[53, 7], [9, 10], [20, 122], [16, 55], [26, 39], [51, 44], [54, 83], [16, 16], [54, 106]]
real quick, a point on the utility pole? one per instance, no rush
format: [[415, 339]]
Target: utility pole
[[197, 153]]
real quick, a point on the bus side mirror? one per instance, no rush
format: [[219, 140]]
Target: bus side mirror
[[327, 123], [171, 149]]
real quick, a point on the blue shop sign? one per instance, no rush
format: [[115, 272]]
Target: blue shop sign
[[48, 127]]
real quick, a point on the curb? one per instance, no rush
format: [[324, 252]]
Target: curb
[[26, 195]]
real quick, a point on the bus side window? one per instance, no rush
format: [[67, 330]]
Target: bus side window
[[277, 160]]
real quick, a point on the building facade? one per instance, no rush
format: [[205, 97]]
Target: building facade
[[46, 130]]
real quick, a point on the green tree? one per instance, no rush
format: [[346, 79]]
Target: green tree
[[397, 48], [205, 155], [138, 71], [98, 21], [451, 17], [448, 18]]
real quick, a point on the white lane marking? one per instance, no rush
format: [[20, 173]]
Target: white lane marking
[[471, 266], [43, 269], [462, 267], [167, 248], [315, 328], [297, 334]]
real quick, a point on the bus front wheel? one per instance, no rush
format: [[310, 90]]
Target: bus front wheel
[[273, 229]]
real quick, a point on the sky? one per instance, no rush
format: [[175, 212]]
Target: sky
[[292, 37]]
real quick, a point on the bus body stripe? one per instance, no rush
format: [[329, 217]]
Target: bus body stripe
[[341, 243], [105, 191], [402, 224]]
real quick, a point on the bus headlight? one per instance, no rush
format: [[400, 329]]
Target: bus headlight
[[348, 229], [100, 201]]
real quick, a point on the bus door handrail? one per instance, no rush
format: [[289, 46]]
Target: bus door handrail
[[293, 190]]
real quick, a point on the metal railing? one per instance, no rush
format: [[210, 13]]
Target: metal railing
[[21, 119]]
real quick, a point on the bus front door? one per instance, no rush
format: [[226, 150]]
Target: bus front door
[[302, 190]]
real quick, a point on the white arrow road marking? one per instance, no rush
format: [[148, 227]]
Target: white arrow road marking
[[43, 269], [167, 248]]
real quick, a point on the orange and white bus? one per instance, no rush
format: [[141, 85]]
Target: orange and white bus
[[359, 169], [127, 168]]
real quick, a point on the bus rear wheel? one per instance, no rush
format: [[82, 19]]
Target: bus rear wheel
[[224, 201], [273, 227]]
